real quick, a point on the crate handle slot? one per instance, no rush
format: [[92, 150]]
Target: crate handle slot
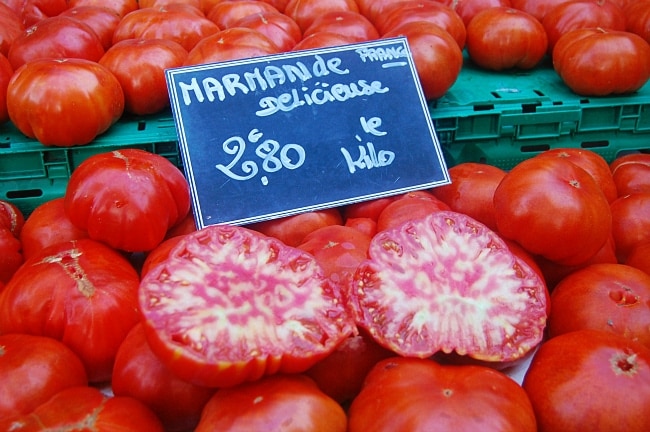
[[27, 193]]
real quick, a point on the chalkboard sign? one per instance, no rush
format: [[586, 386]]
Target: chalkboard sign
[[278, 135]]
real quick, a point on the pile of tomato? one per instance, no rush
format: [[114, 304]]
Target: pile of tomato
[[409, 312]]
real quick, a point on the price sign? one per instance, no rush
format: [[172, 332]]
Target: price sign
[[273, 136]]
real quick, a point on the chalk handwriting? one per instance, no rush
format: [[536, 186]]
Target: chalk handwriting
[[368, 157]]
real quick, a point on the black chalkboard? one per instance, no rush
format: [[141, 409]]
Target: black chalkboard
[[272, 136]]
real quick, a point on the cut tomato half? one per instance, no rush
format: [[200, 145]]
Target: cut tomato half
[[448, 283], [231, 305]]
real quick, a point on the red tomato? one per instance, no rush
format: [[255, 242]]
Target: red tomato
[[637, 18], [639, 257], [231, 44], [436, 54], [278, 312], [180, 23], [11, 218], [409, 394], [279, 28], [102, 20], [338, 249], [341, 374], [374, 9], [590, 161], [578, 14], [599, 62], [434, 284], [631, 173], [11, 27], [322, 39], [366, 225], [45, 97], [555, 197], [471, 191], [630, 222], [398, 14], [368, 209], [11, 257], [139, 65], [502, 38], [34, 368], [164, 3], [537, 8], [409, 206], [304, 12], [127, 198], [138, 373], [467, 9], [80, 292], [292, 230], [122, 7], [607, 297], [613, 371], [48, 225], [34, 11], [185, 226], [347, 23], [6, 72], [86, 409], [288, 403], [227, 13], [159, 254]]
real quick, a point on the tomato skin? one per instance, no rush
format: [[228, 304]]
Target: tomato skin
[[555, 197], [91, 310], [346, 23], [631, 173], [139, 65], [231, 44], [368, 209], [501, 38], [34, 11], [598, 62], [605, 366], [322, 39], [630, 222], [11, 27], [11, 256], [227, 13], [639, 257], [471, 191], [637, 18], [288, 403], [279, 28], [292, 230], [122, 7], [366, 225], [419, 394], [45, 97], [34, 368], [127, 198], [56, 37], [86, 408], [304, 12], [409, 206], [467, 9], [138, 373], [11, 218], [102, 20], [537, 8], [436, 54]]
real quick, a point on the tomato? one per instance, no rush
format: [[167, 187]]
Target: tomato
[[471, 191], [637, 18], [346, 23], [231, 305], [639, 257], [180, 23], [48, 225], [612, 371], [368, 209], [630, 222], [537, 8], [34, 11], [227, 13], [436, 54], [231, 44], [139, 374], [80, 292], [11, 27], [409, 206], [555, 197], [607, 297], [420, 394], [11, 218], [304, 12], [398, 14], [374, 9], [288, 403], [185, 226], [292, 230], [631, 173], [578, 14], [6, 72], [164, 3], [127, 198], [45, 97], [279, 28], [11, 256], [139, 65], [434, 284], [159, 254], [340, 375], [102, 20], [366, 225], [501, 38], [34, 368], [122, 7], [467, 9], [338, 249], [598, 62], [84, 408], [322, 39]]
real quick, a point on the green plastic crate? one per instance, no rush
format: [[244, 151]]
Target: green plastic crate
[[502, 118], [31, 173]]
